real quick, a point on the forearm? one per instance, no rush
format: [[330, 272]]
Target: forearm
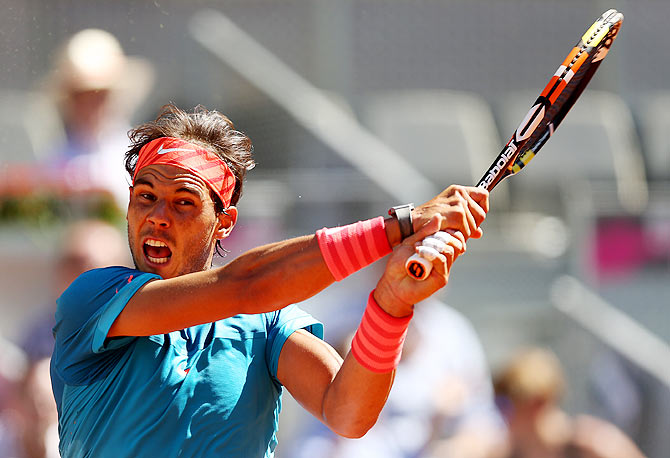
[[278, 274], [354, 399], [261, 280], [349, 397], [291, 271], [357, 394], [346, 395]]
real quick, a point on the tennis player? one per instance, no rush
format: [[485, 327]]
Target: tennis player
[[176, 358]]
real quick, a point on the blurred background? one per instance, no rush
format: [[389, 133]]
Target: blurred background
[[353, 107]]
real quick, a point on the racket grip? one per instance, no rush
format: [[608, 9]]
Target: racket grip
[[417, 267]]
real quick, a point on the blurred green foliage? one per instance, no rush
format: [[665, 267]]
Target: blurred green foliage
[[41, 209]]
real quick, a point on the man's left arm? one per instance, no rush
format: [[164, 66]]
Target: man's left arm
[[345, 394]]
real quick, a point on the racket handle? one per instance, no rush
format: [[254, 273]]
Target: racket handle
[[417, 267]]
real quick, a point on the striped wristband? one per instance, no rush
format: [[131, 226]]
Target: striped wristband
[[378, 342], [347, 249]]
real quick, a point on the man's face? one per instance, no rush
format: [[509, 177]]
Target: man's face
[[172, 224]]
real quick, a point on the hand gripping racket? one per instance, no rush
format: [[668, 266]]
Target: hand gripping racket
[[546, 114]]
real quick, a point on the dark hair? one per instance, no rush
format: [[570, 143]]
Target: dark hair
[[208, 129]]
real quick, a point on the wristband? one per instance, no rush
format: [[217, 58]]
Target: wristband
[[347, 249], [403, 213], [377, 344]]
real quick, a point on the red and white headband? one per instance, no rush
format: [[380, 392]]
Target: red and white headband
[[206, 165]]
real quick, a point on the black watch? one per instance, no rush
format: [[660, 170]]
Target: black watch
[[403, 213]]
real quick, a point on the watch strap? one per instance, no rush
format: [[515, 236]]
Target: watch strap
[[403, 213]]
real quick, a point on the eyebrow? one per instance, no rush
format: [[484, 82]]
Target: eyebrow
[[144, 182], [194, 192], [181, 189], [189, 190]]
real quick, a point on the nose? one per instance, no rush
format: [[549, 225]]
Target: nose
[[159, 215]]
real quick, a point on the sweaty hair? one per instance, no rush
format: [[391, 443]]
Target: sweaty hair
[[208, 129]]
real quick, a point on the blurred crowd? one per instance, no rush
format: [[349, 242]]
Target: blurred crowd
[[94, 87], [446, 400], [28, 417]]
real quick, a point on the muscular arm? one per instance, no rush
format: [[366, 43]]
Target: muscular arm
[[272, 276], [345, 395], [342, 394], [263, 279]]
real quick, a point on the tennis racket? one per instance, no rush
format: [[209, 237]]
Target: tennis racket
[[546, 114]]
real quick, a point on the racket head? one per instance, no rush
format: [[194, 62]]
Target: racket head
[[547, 113], [557, 98]]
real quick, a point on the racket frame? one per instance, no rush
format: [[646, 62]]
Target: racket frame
[[546, 114]]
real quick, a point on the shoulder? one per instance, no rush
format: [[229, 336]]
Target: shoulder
[[96, 287], [268, 322], [104, 274], [292, 318], [98, 281]]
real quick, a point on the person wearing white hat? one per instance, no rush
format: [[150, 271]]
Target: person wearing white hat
[[96, 88]]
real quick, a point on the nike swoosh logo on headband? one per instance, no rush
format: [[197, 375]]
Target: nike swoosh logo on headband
[[162, 150]]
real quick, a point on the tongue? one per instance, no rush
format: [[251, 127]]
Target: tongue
[[157, 252]]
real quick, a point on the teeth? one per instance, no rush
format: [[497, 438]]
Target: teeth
[[157, 243], [158, 260]]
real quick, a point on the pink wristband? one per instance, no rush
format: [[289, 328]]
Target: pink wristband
[[378, 342], [347, 249]]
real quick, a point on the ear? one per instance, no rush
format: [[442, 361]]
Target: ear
[[226, 223]]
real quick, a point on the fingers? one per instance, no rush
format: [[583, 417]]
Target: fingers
[[479, 195], [442, 241], [439, 251], [477, 208], [461, 238], [430, 227], [467, 208], [443, 246], [430, 253]]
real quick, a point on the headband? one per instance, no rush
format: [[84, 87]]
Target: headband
[[207, 166]]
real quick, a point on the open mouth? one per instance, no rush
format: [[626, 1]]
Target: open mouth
[[156, 251]]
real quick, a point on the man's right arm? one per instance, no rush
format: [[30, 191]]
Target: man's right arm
[[272, 276], [264, 279]]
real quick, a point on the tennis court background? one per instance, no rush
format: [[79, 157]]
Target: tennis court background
[[486, 59]]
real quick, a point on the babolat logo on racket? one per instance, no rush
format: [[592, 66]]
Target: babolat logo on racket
[[549, 110], [530, 122], [503, 160]]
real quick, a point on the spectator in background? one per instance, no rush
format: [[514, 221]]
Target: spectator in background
[[96, 88], [633, 399], [441, 403], [86, 245], [529, 390], [28, 416], [37, 419], [13, 367]]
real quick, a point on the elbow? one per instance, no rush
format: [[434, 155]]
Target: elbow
[[354, 429], [354, 433]]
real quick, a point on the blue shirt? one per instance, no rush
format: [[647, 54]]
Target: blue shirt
[[208, 390]]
